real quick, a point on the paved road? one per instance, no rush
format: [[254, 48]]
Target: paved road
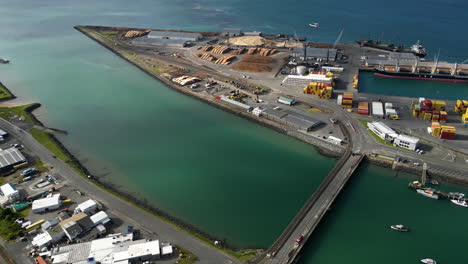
[[125, 210], [290, 249]]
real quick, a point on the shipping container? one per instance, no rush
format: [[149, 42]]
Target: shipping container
[[377, 109], [388, 106], [339, 100]]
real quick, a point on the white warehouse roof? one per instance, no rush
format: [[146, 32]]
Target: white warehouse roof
[[8, 189], [383, 127], [175, 35], [53, 201], [11, 156], [100, 218], [86, 206]]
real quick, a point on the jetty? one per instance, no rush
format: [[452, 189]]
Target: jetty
[[288, 246]]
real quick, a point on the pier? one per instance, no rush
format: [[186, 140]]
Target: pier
[[286, 249]]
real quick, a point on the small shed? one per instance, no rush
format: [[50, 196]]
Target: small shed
[[87, 206], [100, 218]]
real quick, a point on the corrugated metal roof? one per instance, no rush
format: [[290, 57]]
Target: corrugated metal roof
[[316, 52], [169, 34], [408, 139], [11, 156], [160, 41]]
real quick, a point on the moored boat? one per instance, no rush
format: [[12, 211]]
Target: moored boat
[[428, 193], [2, 60], [428, 261], [460, 201], [400, 228]]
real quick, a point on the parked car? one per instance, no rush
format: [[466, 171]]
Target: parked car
[[28, 171]]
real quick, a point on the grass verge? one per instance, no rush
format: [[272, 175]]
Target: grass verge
[[380, 140], [185, 256], [4, 93]]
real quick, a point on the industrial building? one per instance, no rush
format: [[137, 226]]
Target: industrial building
[[232, 32], [10, 192], [406, 142], [310, 53], [45, 204], [383, 131], [100, 218], [113, 249], [300, 81], [187, 36], [89, 206], [176, 43], [299, 121], [76, 225], [9, 158]]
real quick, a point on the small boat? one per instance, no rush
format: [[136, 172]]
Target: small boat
[[2, 60], [428, 193], [459, 202], [314, 25], [435, 182], [400, 228], [428, 261]]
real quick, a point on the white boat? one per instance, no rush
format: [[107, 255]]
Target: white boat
[[459, 202], [400, 228], [314, 25], [428, 193], [428, 261]]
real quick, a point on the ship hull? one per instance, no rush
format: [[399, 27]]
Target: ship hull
[[422, 77]]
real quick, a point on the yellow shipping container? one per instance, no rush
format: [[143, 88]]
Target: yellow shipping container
[[436, 131], [450, 129], [427, 116], [438, 105]]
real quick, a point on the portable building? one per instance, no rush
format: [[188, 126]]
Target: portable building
[[286, 101], [407, 142], [335, 140], [46, 204], [388, 105]]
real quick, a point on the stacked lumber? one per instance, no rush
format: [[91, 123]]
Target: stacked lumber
[[206, 56], [252, 51], [207, 48], [219, 49], [240, 51], [136, 33], [266, 52], [225, 60]]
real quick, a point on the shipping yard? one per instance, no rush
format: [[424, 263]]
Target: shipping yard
[[307, 90]]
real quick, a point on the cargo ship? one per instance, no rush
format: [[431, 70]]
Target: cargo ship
[[417, 49], [421, 76]]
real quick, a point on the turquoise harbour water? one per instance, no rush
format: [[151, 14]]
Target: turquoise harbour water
[[227, 176]]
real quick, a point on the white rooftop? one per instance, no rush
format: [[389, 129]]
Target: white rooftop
[[144, 249], [10, 156], [100, 218], [41, 240], [8, 189], [166, 250], [87, 205], [383, 127], [46, 202], [408, 139]]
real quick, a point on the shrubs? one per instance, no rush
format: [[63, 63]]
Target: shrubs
[[9, 230]]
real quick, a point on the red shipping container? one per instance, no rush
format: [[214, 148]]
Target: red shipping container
[[427, 103], [435, 112], [447, 135]]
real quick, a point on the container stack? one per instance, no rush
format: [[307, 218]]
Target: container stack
[[355, 81], [322, 90], [447, 132], [347, 100], [444, 132], [461, 106], [435, 128], [465, 118], [363, 108], [430, 110]]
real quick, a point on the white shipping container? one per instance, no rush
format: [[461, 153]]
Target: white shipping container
[[421, 99], [339, 100], [388, 105], [377, 109]]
